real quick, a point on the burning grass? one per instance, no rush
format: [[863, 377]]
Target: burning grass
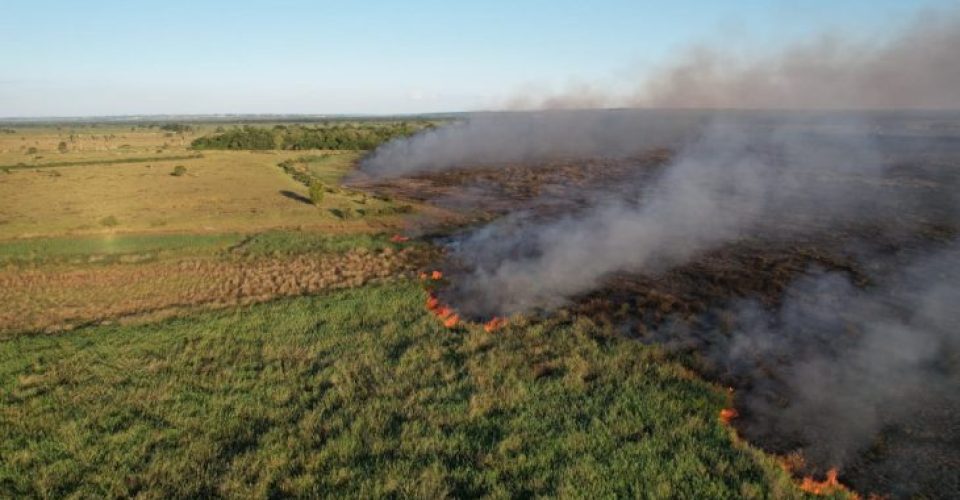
[[695, 307]]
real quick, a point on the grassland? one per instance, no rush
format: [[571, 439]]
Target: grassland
[[62, 290], [94, 226], [361, 393], [221, 192], [218, 334], [116, 180]]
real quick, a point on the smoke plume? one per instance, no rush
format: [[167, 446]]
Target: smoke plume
[[835, 365], [496, 138], [917, 67], [742, 177], [839, 370], [850, 363]]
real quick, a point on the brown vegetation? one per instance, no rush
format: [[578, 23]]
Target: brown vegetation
[[51, 299]]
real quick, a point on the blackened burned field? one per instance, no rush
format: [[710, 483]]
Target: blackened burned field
[[538, 188], [826, 301]]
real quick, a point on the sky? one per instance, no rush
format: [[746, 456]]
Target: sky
[[99, 58]]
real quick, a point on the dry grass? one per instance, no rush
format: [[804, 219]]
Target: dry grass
[[222, 191], [61, 297]]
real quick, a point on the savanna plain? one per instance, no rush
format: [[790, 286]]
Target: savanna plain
[[208, 309]]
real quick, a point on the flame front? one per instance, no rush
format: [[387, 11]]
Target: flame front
[[728, 414], [494, 324], [828, 486]]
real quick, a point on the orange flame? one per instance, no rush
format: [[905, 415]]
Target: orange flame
[[399, 238], [452, 321], [449, 317], [494, 324], [828, 486], [728, 414], [444, 312], [436, 275]]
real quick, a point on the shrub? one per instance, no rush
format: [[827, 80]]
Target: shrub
[[316, 192], [109, 221], [62, 147], [178, 171], [31, 150]]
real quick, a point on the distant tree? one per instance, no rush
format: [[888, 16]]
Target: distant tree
[[62, 147], [300, 137]]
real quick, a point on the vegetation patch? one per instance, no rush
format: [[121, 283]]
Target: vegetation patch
[[347, 136], [361, 393]]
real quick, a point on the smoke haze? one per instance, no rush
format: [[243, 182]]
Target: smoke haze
[[851, 362], [917, 67], [854, 369]]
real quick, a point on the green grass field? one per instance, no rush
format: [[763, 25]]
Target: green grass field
[[361, 393]]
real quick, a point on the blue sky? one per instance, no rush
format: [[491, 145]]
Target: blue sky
[[94, 57]]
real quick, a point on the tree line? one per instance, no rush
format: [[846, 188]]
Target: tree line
[[296, 137]]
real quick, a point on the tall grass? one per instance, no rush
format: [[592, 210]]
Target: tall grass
[[362, 394]]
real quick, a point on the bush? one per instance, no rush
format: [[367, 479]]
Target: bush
[[178, 171], [31, 150], [62, 147], [109, 221], [316, 192]]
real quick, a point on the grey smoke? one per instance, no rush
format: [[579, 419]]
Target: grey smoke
[[498, 138], [915, 67], [850, 363], [919, 67], [742, 177]]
